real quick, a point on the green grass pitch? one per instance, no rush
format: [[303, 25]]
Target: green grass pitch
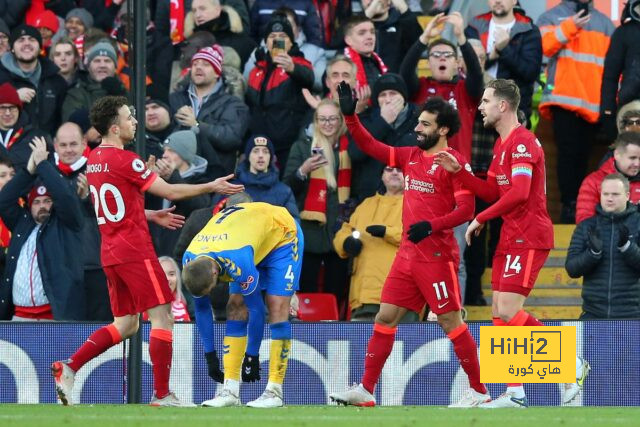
[[310, 416]]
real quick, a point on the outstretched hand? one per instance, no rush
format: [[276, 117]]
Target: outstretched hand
[[347, 100], [447, 161], [166, 218], [223, 186]]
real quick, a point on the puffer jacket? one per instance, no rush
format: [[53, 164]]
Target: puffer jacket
[[611, 285], [267, 187]]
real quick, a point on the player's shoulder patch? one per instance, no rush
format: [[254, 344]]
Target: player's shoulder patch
[[138, 165]]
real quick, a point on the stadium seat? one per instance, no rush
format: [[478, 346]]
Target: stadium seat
[[320, 306]]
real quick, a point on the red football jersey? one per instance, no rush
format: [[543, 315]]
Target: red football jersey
[[117, 182], [528, 225], [430, 194]]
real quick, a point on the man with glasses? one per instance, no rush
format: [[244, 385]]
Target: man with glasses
[[463, 92], [16, 132], [625, 160]]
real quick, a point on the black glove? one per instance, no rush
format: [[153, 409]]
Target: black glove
[[213, 366], [376, 230], [419, 231], [623, 235], [594, 242], [608, 128], [352, 246], [113, 86], [346, 98], [250, 369]]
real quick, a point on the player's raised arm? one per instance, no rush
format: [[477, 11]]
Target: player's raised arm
[[168, 191], [361, 136]]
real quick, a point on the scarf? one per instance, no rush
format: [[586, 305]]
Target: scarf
[[5, 235], [315, 203], [361, 76], [176, 21], [79, 42], [14, 137], [78, 164]]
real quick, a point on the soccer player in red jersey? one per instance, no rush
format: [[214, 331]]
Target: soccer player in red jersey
[[517, 184], [117, 181], [425, 268]]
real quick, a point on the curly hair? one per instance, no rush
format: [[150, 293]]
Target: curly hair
[[446, 114], [104, 113]]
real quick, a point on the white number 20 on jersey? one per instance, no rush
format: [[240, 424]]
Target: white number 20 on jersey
[[99, 199]]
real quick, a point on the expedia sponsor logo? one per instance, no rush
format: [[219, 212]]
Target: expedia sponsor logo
[[521, 152]]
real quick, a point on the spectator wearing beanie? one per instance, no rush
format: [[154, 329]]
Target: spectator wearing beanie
[[203, 103], [47, 23], [179, 165], [76, 24], [40, 87], [260, 176], [278, 108], [15, 130], [390, 120], [159, 124], [46, 283], [99, 80]]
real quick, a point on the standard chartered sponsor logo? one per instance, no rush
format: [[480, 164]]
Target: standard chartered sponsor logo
[[422, 186], [502, 179]]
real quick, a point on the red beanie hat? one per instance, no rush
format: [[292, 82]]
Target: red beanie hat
[[47, 19], [9, 95], [213, 55], [37, 191]]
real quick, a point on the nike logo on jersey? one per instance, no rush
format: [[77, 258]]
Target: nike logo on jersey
[[413, 163], [442, 305], [508, 275]]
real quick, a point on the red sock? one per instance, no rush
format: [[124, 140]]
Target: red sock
[[522, 318], [378, 350], [466, 349], [160, 351], [97, 343]]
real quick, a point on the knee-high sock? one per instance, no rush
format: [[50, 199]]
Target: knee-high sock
[[465, 348], [235, 344], [97, 343], [160, 351], [378, 350], [279, 352], [522, 318]]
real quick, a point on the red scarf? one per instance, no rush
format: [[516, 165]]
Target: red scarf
[[5, 235], [361, 76], [315, 203], [69, 169], [176, 21], [14, 137]]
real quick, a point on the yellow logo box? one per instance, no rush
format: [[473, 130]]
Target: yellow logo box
[[528, 354]]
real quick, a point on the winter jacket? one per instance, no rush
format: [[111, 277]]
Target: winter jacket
[[395, 36], [367, 171], [372, 265], [623, 59], [58, 245], [611, 284], [275, 98], [45, 109], [82, 95], [308, 19], [223, 121], [267, 187], [520, 60], [19, 152], [589, 193], [575, 60], [318, 238], [463, 93], [227, 28]]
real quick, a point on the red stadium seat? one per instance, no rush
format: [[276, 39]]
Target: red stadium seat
[[320, 306]]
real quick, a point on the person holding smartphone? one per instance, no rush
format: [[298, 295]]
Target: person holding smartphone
[[275, 84]]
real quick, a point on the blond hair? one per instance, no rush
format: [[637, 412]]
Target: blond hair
[[321, 141]]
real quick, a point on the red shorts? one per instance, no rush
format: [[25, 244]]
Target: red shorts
[[516, 270], [137, 286], [412, 283]]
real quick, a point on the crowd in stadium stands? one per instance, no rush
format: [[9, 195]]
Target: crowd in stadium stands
[[249, 87]]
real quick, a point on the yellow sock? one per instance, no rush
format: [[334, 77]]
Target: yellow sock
[[278, 358], [233, 353]]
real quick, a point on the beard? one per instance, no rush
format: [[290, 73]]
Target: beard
[[42, 216], [429, 141], [500, 13]]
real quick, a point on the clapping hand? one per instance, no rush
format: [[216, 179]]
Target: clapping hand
[[38, 153], [82, 186], [433, 28]]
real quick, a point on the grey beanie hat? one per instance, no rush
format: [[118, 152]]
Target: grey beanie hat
[[184, 143], [102, 48], [84, 15]]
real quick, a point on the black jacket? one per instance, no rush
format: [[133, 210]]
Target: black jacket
[[623, 58], [611, 284], [45, 111], [19, 152], [59, 243], [394, 37]]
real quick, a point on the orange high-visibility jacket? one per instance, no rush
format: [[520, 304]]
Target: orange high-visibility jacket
[[575, 60]]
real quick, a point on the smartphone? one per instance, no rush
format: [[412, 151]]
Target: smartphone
[[317, 150], [277, 47], [582, 7]]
